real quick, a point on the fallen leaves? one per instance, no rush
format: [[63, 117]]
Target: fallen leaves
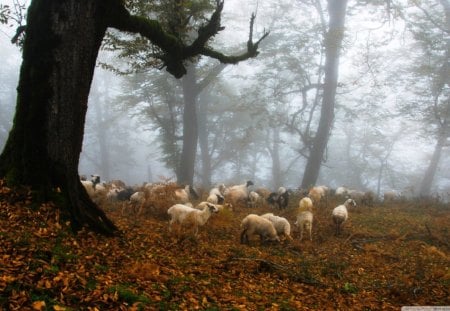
[[45, 267]]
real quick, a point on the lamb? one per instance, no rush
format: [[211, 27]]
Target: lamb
[[340, 214], [254, 224], [189, 216], [305, 204], [281, 224], [304, 222], [184, 195]]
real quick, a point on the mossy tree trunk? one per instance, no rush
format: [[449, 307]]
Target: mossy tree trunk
[[62, 41], [43, 149]]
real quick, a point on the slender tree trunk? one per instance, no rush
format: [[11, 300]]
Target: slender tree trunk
[[45, 142], [276, 163], [427, 181], [190, 130], [203, 143], [333, 44]]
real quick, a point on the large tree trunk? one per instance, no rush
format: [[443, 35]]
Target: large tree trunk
[[45, 142], [333, 44], [190, 130]]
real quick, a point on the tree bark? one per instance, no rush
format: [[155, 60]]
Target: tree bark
[[42, 151], [427, 181], [333, 45], [190, 130]]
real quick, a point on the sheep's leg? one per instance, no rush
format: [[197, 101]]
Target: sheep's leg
[[301, 233], [244, 237], [310, 234]]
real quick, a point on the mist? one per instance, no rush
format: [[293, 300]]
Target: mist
[[381, 137]]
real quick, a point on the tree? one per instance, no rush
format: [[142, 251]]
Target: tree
[[59, 56], [333, 43]]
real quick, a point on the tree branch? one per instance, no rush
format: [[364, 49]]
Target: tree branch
[[174, 50]]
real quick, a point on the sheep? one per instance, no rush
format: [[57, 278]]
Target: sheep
[[254, 224], [304, 222], [189, 216], [238, 193], [215, 199], [93, 185], [305, 204], [340, 214], [254, 199], [281, 224], [341, 191], [390, 196], [184, 195], [317, 193], [279, 199]]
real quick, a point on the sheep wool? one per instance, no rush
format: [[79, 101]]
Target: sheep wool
[[304, 222], [340, 214], [189, 216], [281, 224], [305, 204], [253, 224]]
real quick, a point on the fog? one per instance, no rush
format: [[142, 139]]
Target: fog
[[378, 142]]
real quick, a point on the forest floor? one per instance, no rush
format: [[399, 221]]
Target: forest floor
[[388, 256]]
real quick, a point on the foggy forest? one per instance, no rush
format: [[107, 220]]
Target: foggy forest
[[224, 155], [390, 116]]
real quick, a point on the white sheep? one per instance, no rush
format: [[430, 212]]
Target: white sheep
[[254, 224], [184, 195], [317, 193], [93, 185], [254, 199], [190, 216], [305, 204], [215, 199], [341, 191], [340, 214], [238, 193], [304, 222], [281, 224]]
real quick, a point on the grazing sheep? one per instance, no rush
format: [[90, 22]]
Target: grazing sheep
[[93, 185], [189, 216], [215, 199], [340, 214], [281, 224], [390, 196], [317, 193], [279, 199], [305, 204], [341, 191], [254, 224], [238, 193], [304, 222], [254, 199], [185, 195], [356, 195]]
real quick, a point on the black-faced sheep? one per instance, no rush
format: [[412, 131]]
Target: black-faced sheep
[[279, 199]]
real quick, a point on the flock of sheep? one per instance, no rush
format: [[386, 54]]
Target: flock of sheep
[[269, 227]]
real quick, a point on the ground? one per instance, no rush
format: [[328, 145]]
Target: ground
[[387, 256]]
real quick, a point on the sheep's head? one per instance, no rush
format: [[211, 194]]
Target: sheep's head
[[95, 179], [350, 202], [249, 183], [212, 208]]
